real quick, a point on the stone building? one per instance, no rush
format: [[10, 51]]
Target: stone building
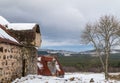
[[18, 49]]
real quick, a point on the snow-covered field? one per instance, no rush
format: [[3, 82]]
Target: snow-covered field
[[68, 78]]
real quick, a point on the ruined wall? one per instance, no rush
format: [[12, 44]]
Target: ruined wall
[[38, 40], [29, 60], [16, 61], [26, 37], [10, 62]]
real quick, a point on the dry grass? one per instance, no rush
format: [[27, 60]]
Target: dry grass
[[114, 77]]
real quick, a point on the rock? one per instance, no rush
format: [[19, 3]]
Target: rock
[[46, 82], [91, 80], [71, 79], [66, 80]]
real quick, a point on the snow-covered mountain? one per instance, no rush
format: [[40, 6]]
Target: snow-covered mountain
[[71, 53], [92, 52], [62, 52]]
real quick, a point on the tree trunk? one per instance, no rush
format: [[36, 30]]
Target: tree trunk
[[106, 69], [101, 60], [106, 64]]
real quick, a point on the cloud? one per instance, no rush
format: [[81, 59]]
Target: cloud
[[53, 16], [61, 21], [58, 42]]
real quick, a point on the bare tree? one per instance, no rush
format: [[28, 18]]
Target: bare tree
[[103, 35]]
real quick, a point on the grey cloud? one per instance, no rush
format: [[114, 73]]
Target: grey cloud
[[60, 20]]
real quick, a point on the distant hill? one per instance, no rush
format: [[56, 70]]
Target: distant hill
[[93, 52], [71, 53], [61, 52]]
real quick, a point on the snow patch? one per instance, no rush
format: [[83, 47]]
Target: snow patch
[[40, 66], [68, 78]]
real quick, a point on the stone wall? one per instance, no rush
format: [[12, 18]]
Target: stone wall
[[10, 64], [27, 37], [16, 61], [29, 60]]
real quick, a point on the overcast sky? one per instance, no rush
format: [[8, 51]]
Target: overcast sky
[[61, 21]]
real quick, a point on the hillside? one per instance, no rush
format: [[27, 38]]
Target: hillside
[[87, 63], [60, 52]]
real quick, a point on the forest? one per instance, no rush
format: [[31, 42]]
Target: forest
[[87, 63]]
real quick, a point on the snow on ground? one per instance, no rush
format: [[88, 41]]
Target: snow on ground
[[68, 78]]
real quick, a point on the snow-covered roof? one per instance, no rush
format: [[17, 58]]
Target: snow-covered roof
[[5, 35], [21, 26], [3, 21], [16, 26]]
